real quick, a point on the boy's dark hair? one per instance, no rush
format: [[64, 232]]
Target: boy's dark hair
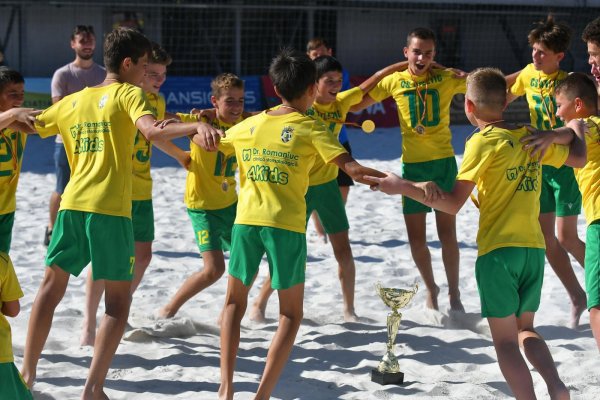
[[82, 30], [315, 43], [486, 88], [158, 55], [8, 76], [292, 72], [420, 33], [121, 43], [326, 64], [579, 85], [591, 33], [225, 81], [555, 36]]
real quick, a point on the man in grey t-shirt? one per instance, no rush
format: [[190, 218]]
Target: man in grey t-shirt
[[71, 78]]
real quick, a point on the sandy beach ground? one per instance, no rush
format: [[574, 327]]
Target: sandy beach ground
[[441, 354]]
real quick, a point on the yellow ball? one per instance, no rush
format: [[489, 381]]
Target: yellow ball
[[368, 126]]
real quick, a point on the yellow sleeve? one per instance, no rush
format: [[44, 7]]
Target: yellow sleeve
[[327, 145], [556, 155], [518, 88], [135, 103], [188, 117], [46, 123], [10, 290], [383, 90], [476, 159], [348, 98]]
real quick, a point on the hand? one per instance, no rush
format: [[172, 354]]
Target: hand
[[208, 137], [25, 116], [431, 191], [578, 125], [162, 123], [538, 142], [390, 184], [209, 114]]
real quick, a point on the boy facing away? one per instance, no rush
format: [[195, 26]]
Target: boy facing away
[[275, 151], [560, 200], [510, 262], [576, 97], [324, 196], [423, 96], [98, 125]]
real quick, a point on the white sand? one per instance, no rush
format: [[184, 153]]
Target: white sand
[[451, 357]]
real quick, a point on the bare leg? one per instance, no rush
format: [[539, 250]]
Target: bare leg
[[346, 272], [259, 307], [117, 302], [415, 228], [214, 267], [446, 228], [236, 301], [290, 317], [55, 199], [143, 256], [93, 294], [318, 226], [595, 323], [566, 230], [49, 295], [505, 337], [561, 264], [539, 356]]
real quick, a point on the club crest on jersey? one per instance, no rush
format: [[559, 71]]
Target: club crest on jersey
[[286, 134], [73, 104], [252, 128], [102, 101]]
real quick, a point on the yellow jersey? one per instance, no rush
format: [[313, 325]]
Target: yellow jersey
[[508, 187], [98, 129], [423, 110], [588, 177], [275, 155], [334, 116], [141, 186], [9, 291], [12, 144], [538, 88], [210, 183]]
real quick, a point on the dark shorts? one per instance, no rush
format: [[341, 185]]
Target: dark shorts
[[326, 200], [142, 219], [343, 179], [6, 225], [61, 166], [592, 264]]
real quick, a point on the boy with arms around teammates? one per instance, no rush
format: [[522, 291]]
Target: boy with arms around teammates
[[323, 196], [98, 125], [510, 262], [210, 193], [576, 97], [423, 96], [275, 151], [142, 210], [560, 201], [12, 385]]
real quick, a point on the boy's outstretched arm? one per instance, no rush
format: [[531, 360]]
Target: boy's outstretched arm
[[572, 135], [427, 193], [366, 102], [170, 148], [21, 119], [356, 171], [510, 80], [374, 79], [146, 125]]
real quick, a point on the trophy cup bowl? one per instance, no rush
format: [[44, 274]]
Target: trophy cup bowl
[[388, 370]]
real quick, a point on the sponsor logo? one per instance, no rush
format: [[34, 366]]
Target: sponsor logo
[[246, 154], [264, 173], [286, 134]]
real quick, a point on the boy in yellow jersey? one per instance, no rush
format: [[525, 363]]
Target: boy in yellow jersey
[[12, 385], [142, 211], [12, 144], [576, 97], [275, 151], [560, 201], [510, 261], [324, 195], [423, 96], [210, 193], [98, 125]]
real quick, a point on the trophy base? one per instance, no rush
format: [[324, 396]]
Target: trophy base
[[387, 378]]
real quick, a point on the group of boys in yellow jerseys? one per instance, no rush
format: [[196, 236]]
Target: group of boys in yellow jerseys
[[288, 158]]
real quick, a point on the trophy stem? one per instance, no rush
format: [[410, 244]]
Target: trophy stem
[[393, 323]]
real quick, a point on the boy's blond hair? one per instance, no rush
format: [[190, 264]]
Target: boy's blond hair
[[224, 82], [486, 88]]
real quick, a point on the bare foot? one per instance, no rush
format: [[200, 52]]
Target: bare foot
[[90, 394], [560, 392], [576, 311], [225, 394], [165, 313], [257, 314], [456, 304], [88, 337], [432, 299], [350, 316]]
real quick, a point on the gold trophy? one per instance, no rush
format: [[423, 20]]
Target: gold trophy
[[388, 370]]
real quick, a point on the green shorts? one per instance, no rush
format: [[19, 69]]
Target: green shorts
[[509, 280], [80, 237], [212, 228], [142, 219], [12, 385], [326, 200], [592, 264], [286, 253], [442, 171], [6, 225], [560, 193]]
